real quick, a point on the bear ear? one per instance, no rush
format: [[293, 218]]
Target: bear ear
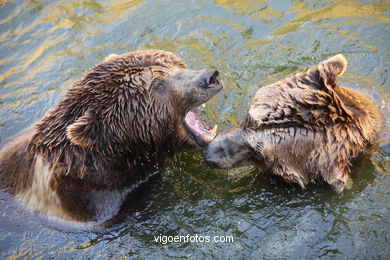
[[84, 130], [332, 68]]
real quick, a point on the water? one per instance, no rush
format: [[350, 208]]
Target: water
[[45, 47]]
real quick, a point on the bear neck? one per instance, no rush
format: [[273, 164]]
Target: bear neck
[[50, 141]]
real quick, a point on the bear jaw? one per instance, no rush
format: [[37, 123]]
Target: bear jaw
[[198, 129]]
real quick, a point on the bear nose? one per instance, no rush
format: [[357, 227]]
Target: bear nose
[[208, 78], [210, 162]]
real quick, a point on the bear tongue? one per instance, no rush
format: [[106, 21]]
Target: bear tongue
[[198, 128]]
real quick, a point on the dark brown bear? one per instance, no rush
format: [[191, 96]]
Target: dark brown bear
[[113, 129], [305, 128]]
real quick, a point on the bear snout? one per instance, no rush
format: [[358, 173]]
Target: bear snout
[[209, 160], [209, 78]]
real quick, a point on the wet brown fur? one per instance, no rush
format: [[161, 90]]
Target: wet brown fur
[[305, 128], [106, 133]]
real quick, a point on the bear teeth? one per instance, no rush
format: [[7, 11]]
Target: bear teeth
[[198, 129]]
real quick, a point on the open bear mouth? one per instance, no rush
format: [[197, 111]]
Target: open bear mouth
[[198, 129]]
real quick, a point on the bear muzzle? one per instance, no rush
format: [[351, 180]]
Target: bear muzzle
[[209, 79], [207, 85]]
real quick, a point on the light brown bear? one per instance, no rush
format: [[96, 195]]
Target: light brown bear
[[114, 128], [304, 129]]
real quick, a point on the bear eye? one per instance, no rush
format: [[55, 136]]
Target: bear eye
[[158, 86]]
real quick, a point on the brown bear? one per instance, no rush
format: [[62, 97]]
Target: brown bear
[[113, 129], [304, 129]]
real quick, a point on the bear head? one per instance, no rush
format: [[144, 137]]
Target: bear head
[[306, 100], [140, 102], [304, 128]]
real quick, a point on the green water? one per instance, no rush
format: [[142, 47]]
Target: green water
[[45, 47]]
